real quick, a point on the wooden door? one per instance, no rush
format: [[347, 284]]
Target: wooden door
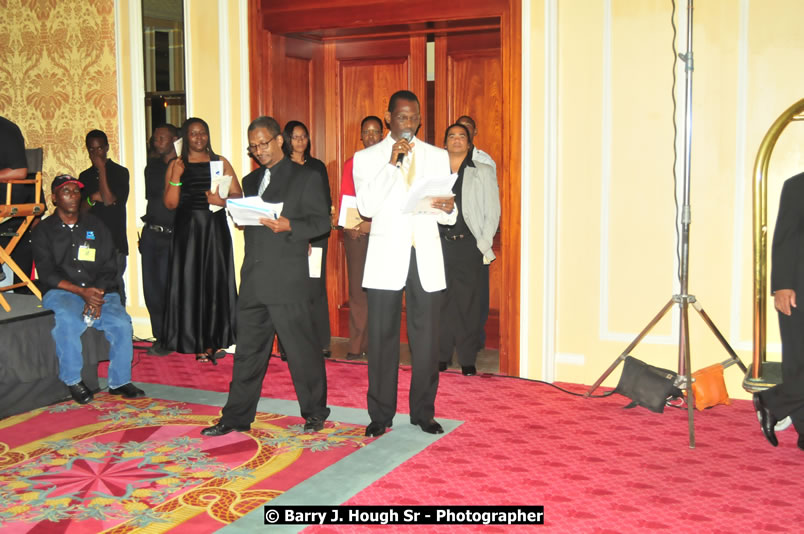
[[368, 73], [469, 82]]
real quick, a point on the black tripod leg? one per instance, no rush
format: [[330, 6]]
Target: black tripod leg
[[630, 347], [719, 336]]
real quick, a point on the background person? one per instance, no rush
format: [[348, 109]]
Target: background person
[[14, 166], [157, 232], [201, 294], [296, 146], [479, 156], [787, 285], [105, 193], [355, 243], [467, 248], [76, 261], [476, 154]]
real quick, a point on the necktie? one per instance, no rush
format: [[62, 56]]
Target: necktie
[[409, 168], [266, 179]]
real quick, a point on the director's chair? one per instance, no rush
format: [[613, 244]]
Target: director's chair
[[28, 212]]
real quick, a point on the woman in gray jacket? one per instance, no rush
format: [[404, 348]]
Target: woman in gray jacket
[[466, 247]]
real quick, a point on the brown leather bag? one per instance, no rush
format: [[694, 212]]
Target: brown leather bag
[[709, 388]]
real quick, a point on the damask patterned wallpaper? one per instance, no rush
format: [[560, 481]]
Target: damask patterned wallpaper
[[58, 77]]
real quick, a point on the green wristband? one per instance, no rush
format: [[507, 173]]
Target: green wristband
[[174, 184], [89, 201]]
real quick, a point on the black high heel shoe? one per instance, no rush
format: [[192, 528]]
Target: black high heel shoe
[[217, 355]]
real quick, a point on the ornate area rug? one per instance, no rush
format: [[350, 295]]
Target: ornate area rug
[[141, 466]]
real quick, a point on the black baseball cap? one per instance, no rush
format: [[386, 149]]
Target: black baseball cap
[[64, 179]]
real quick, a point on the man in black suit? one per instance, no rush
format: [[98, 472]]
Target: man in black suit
[[787, 281], [274, 294]]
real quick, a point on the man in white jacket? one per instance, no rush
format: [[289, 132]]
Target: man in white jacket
[[404, 254]]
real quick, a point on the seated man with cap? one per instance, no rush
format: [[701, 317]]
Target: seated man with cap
[[76, 262]]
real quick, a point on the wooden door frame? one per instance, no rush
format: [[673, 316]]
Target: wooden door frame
[[267, 18]]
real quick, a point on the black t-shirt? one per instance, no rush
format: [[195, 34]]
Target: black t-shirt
[[83, 255], [113, 216], [12, 146], [12, 156], [156, 212]]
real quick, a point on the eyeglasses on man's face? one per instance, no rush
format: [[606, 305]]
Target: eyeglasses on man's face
[[253, 149], [404, 117]]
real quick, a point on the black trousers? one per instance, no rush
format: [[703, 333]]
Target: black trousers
[[319, 305], [257, 323], [320, 301], [787, 398], [155, 252], [385, 313], [462, 307], [484, 307]]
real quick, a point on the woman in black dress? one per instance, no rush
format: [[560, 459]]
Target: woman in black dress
[[201, 293], [296, 146]]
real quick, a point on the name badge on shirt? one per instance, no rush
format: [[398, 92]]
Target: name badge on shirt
[[86, 253]]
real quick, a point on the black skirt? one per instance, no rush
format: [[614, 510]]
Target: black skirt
[[201, 294]]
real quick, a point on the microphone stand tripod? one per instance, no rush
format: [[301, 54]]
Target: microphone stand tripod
[[683, 299]]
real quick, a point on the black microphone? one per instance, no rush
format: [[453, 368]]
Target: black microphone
[[407, 136]]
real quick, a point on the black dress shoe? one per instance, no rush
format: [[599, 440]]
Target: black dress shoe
[[327, 353], [469, 370], [128, 391], [352, 356], [431, 427], [766, 420], [80, 393], [442, 366], [375, 429], [314, 423], [221, 429]]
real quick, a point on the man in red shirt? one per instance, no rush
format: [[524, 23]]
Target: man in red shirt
[[355, 242]]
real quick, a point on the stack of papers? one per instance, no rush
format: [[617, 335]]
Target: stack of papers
[[249, 210]]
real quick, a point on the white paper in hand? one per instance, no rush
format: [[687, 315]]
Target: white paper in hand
[[422, 192], [349, 217], [249, 210], [215, 174], [221, 184], [314, 262]]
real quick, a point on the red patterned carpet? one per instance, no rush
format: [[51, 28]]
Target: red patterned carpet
[[594, 466], [123, 466]]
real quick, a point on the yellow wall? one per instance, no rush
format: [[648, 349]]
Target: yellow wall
[[616, 263], [534, 153]]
